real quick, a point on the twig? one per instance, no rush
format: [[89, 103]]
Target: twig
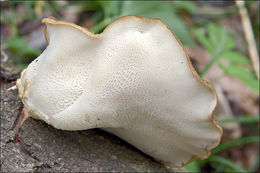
[[4, 56], [233, 129], [249, 35], [223, 103], [18, 121], [14, 87]]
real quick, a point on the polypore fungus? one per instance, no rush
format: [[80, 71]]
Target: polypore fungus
[[134, 80]]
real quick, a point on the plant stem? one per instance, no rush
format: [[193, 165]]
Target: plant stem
[[227, 162], [240, 119], [234, 143]]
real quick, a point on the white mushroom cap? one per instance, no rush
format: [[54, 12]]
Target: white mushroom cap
[[133, 80]]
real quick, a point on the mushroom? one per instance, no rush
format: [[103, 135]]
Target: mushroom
[[133, 80]]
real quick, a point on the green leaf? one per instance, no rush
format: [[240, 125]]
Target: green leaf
[[97, 16], [101, 25], [240, 119], [161, 10], [110, 8], [115, 7], [215, 31], [22, 66], [16, 44], [189, 6], [87, 5], [226, 162], [203, 40], [235, 57], [219, 49], [243, 74], [31, 52], [226, 146], [22, 53], [144, 8], [234, 143], [230, 43], [193, 166], [19, 46], [110, 11]]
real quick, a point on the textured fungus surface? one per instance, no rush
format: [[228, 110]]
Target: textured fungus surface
[[133, 80], [42, 148]]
